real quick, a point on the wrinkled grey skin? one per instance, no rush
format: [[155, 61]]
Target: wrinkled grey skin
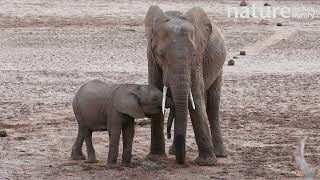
[[112, 107], [187, 52]]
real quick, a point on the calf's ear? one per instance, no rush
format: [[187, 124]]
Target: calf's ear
[[126, 101]]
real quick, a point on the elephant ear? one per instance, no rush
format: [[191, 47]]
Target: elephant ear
[[154, 17], [202, 25], [126, 100]]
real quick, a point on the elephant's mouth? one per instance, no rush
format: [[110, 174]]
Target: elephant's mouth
[[165, 95]]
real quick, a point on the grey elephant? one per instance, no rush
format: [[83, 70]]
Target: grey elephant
[[112, 107], [186, 53]]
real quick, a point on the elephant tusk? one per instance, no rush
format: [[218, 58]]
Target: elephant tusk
[[192, 101], [164, 95]]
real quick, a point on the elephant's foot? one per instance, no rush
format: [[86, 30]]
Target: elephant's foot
[[220, 150], [206, 161], [157, 150], [157, 156], [77, 155], [111, 165], [127, 164], [93, 160]]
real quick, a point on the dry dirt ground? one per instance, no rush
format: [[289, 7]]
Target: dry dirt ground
[[270, 98]]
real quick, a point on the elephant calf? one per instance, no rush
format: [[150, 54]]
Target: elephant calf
[[112, 107]]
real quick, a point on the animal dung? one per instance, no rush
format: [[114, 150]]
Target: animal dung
[[242, 53], [243, 3], [3, 133], [231, 62], [267, 4], [279, 24]]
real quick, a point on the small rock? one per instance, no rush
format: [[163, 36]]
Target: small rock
[[3, 133], [50, 165], [231, 62], [243, 3], [21, 138], [279, 24], [235, 57], [267, 4], [242, 53]]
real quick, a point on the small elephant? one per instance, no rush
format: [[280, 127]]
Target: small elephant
[[112, 107]]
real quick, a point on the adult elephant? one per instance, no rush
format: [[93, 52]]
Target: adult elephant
[[186, 54]]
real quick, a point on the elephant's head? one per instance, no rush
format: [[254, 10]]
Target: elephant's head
[[176, 44], [139, 101]]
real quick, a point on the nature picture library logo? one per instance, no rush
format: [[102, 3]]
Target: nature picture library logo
[[253, 11]]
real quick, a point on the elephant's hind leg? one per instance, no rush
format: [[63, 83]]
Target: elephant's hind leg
[[76, 153], [91, 152], [206, 155], [213, 103]]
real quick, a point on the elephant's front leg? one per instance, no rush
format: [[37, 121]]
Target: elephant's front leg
[[157, 136], [201, 130], [213, 104], [127, 136], [114, 137]]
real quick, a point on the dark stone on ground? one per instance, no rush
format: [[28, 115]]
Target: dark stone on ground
[[242, 53], [3, 133], [243, 3], [267, 4], [231, 62]]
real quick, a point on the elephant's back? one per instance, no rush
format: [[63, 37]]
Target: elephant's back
[[91, 101], [93, 92]]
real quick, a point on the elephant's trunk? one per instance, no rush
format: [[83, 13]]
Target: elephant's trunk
[[180, 89]]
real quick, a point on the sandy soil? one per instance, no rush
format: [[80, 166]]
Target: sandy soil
[[270, 97]]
